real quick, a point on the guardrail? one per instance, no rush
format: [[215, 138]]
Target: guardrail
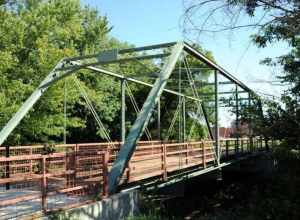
[[36, 179]]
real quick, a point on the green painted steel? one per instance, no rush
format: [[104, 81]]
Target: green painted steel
[[123, 109], [129, 79], [71, 65], [217, 139], [183, 120], [200, 56], [143, 117], [237, 126], [110, 60], [158, 120], [207, 121], [221, 93], [124, 51]]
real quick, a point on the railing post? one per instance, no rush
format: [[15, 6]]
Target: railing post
[[236, 147], [7, 168], [67, 160], [30, 161], [44, 184], [186, 153], [105, 159], [164, 157], [242, 146], [128, 172], [227, 148], [204, 154], [251, 144], [75, 163]]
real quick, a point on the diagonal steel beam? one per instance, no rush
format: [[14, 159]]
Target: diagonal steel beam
[[207, 121], [142, 119]]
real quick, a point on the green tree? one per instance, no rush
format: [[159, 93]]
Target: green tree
[[40, 33], [37, 34], [273, 21]]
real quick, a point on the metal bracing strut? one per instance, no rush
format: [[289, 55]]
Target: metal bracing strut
[[183, 120], [123, 109], [237, 126], [217, 139], [158, 120], [249, 116]]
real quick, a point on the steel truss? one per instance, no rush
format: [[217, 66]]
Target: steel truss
[[172, 52]]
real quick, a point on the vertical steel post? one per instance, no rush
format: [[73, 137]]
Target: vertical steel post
[[180, 106], [237, 117], [183, 119], [217, 139], [123, 106], [158, 120], [65, 112], [249, 116]]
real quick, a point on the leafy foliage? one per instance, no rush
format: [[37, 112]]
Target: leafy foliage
[[37, 35], [280, 22], [40, 33]]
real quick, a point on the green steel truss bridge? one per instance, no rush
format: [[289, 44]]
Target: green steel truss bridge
[[75, 171]]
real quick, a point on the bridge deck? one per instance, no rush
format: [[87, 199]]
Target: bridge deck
[[36, 179]]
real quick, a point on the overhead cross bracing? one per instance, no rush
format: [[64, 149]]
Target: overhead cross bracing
[[164, 59]]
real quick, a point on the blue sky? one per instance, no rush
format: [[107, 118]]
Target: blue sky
[[142, 22]]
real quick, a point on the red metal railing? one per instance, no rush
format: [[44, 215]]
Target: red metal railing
[[42, 181]]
